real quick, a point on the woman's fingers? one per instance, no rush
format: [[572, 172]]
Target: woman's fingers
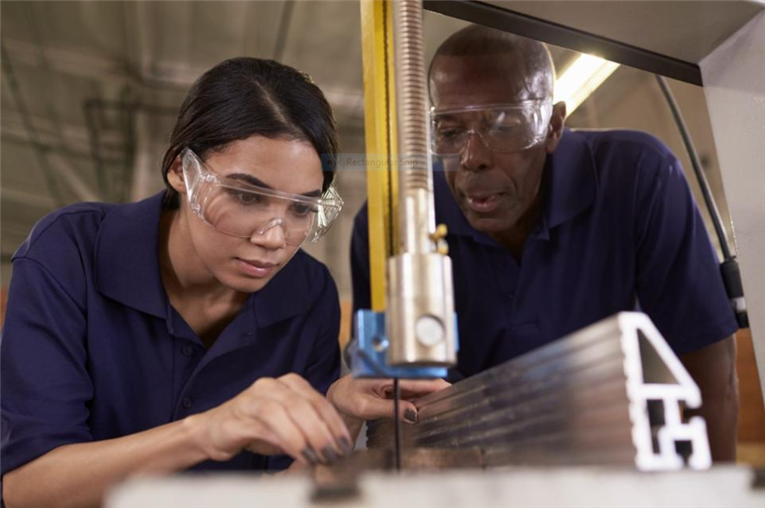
[[322, 444], [284, 415], [367, 399], [288, 414], [411, 388], [372, 407], [287, 408], [341, 438], [281, 427]]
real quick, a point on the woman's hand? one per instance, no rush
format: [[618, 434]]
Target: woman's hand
[[369, 399], [273, 416]]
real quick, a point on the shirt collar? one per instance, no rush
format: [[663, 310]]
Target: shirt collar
[[569, 184], [127, 256], [127, 268]]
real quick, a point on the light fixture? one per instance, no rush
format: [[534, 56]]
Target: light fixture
[[581, 78]]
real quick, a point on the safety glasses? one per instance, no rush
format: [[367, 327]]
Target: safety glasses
[[243, 210], [503, 128]]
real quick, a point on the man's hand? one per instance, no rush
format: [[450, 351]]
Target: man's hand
[[714, 370], [282, 415], [370, 399]]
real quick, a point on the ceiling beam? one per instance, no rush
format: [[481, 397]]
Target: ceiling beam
[[66, 62], [9, 195], [346, 102], [77, 142]]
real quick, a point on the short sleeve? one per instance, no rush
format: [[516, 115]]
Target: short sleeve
[[46, 387], [360, 276], [678, 277]]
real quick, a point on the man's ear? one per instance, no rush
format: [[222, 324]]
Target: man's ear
[[555, 130], [175, 176]]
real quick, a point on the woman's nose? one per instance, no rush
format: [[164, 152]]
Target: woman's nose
[[271, 235]]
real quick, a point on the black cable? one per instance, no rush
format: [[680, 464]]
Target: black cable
[[697, 169], [729, 269]]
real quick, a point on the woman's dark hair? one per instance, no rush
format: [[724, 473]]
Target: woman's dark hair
[[244, 97]]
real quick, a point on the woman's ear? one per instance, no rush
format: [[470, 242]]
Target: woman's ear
[[555, 131], [175, 176]]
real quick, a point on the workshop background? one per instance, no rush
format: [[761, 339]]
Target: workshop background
[[90, 91]]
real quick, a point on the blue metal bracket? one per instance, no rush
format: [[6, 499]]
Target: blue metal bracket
[[369, 351]]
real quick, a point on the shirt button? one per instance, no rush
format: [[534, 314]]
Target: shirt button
[[187, 350], [186, 402]]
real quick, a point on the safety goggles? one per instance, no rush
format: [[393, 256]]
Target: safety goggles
[[244, 210], [503, 128]]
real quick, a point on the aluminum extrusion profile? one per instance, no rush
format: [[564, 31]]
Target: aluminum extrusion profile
[[610, 394]]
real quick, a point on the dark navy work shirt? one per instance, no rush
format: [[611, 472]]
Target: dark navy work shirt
[[93, 350], [619, 227]]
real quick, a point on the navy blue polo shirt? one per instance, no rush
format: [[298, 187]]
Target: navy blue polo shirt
[[93, 350], [619, 228]]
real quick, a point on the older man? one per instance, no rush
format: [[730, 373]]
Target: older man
[[551, 230]]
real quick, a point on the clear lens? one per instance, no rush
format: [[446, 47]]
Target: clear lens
[[245, 211], [503, 128]]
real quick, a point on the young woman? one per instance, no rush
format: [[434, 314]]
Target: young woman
[[187, 330]]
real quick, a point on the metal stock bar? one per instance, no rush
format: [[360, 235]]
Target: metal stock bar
[[611, 393]]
